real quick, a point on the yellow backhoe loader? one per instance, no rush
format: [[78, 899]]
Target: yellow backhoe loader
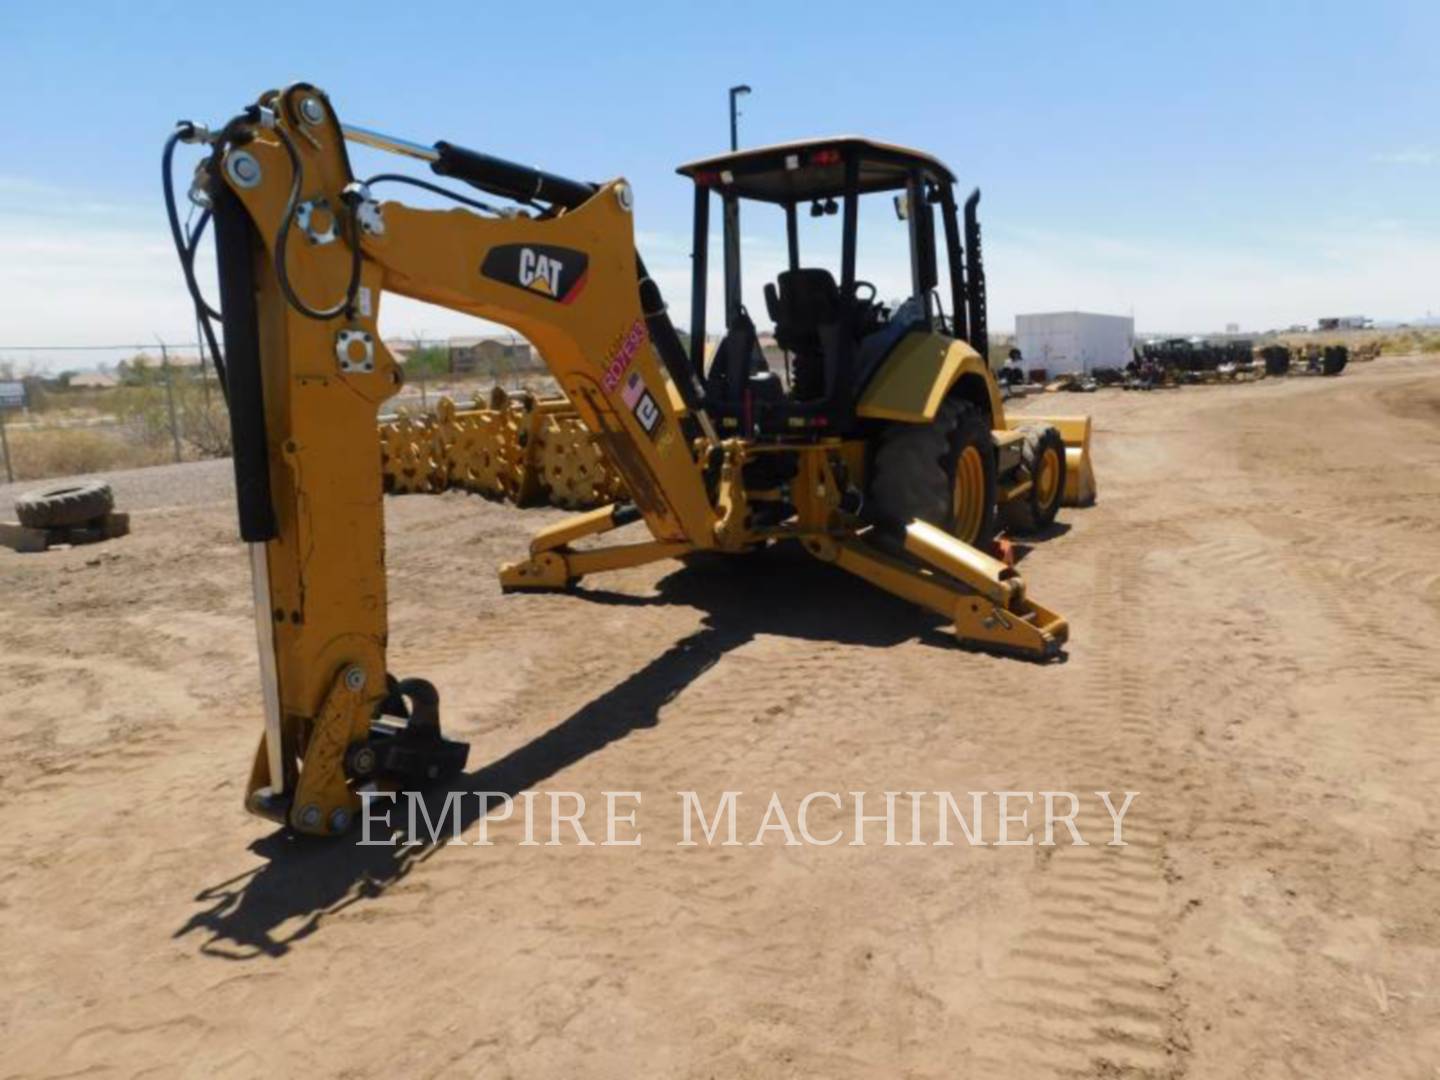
[[885, 451]]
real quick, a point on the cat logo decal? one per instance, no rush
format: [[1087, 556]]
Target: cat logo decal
[[555, 273]]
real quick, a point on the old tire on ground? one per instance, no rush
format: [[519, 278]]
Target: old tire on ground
[[942, 472], [64, 504], [1043, 455], [1334, 359]]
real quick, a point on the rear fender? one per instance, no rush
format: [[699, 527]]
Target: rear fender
[[921, 372]]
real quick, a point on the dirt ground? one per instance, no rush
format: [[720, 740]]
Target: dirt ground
[[1255, 605]]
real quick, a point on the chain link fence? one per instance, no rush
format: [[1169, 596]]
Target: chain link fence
[[91, 409]]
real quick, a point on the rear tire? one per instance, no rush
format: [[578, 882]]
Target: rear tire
[[942, 472], [1043, 455], [59, 505]]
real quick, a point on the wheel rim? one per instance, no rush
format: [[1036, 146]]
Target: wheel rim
[[969, 496], [1049, 477]]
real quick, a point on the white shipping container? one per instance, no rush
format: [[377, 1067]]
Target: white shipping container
[[1074, 341]]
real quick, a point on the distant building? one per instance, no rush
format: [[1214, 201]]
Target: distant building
[[1232, 328], [158, 359], [1074, 341], [490, 356], [93, 380], [1346, 322]]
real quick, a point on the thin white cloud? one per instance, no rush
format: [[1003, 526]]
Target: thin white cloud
[[39, 199], [67, 283], [1412, 155], [24, 185], [76, 278], [1272, 281]]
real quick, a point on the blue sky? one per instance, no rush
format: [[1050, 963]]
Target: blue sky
[[1198, 164]]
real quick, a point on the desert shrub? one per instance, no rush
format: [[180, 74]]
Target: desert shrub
[[200, 415], [45, 452]]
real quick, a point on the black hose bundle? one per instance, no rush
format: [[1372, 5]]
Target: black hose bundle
[[237, 132], [185, 248], [345, 304]]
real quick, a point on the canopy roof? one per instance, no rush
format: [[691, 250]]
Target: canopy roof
[[813, 169]]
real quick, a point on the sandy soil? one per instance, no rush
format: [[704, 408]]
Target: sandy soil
[[1255, 603]]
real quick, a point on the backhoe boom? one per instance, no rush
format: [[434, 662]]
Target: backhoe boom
[[306, 255]]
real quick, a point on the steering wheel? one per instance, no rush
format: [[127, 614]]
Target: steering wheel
[[869, 316], [855, 292]]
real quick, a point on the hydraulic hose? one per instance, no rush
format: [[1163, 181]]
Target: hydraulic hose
[[287, 219], [185, 249], [401, 178]]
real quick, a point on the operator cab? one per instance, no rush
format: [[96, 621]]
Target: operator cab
[[834, 333]]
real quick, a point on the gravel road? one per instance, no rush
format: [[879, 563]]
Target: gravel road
[[194, 483]]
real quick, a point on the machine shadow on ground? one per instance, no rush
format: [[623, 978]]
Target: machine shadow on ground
[[781, 593], [1023, 548]]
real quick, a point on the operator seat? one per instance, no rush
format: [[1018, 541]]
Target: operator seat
[[807, 311]]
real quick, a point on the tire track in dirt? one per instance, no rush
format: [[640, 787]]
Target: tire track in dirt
[[1365, 595], [1088, 989], [1312, 643], [1250, 653]]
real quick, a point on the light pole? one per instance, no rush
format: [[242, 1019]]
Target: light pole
[[732, 220], [735, 93]]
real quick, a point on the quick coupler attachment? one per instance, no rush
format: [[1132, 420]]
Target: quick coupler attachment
[[405, 744], [399, 747]]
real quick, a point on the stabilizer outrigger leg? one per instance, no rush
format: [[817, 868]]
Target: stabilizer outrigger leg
[[553, 564], [983, 597]]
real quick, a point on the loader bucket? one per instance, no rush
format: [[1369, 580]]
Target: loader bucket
[[1079, 471]]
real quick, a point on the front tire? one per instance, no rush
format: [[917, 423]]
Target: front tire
[[942, 472], [1043, 455]]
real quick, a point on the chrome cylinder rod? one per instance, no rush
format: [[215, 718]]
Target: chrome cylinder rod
[[389, 143], [269, 678]]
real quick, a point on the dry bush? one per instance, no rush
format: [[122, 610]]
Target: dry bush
[[1397, 341], [200, 415], [1406, 342], [45, 452], [138, 433]]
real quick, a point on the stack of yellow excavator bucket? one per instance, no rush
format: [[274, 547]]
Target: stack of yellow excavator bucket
[[573, 470], [475, 455], [408, 455], [532, 451], [518, 448]]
